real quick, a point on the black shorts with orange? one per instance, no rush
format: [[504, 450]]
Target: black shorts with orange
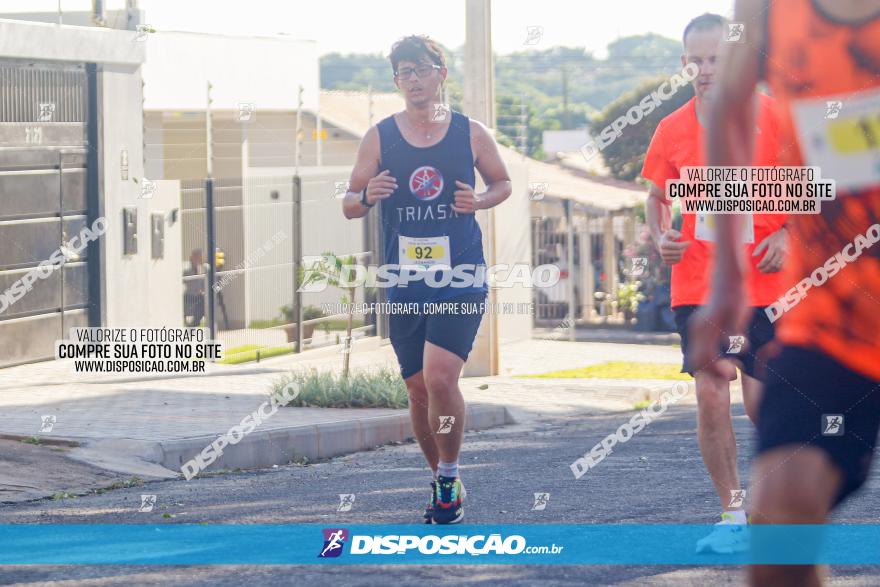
[[811, 400]]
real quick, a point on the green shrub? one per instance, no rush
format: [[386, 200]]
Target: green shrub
[[382, 388], [309, 313]]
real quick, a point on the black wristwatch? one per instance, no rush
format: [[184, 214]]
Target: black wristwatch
[[364, 201]]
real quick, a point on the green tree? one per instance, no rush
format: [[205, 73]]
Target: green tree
[[339, 272], [626, 154]]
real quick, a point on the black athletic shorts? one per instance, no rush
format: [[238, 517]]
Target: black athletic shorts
[[811, 399], [760, 332], [451, 324]]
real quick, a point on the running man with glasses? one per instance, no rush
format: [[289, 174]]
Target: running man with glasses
[[418, 165]]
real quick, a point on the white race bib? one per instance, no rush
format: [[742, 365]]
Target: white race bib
[[705, 228], [841, 135], [422, 253]]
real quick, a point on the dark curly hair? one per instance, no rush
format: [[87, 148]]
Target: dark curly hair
[[416, 48]]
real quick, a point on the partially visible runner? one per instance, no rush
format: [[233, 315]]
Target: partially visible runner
[[677, 143], [819, 418], [419, 165]]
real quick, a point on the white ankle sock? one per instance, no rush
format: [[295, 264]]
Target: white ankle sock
[[739, 516], [447, 469]]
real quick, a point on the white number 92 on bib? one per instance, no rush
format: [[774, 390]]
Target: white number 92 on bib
[[423, 253]]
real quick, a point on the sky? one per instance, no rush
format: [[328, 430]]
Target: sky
[[359, 26]]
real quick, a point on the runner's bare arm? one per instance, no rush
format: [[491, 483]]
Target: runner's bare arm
[[658, 212], [366, 176], [491, 167], [731, 138]]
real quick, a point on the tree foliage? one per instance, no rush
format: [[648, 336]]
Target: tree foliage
[[626, 154]]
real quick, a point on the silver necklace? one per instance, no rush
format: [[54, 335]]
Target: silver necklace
[[411, 127]]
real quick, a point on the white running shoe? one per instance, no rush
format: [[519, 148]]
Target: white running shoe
[[728, 537]]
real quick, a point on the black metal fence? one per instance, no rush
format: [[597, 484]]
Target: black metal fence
[[244, 240]]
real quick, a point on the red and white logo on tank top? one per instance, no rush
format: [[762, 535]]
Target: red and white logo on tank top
[[426, 183]]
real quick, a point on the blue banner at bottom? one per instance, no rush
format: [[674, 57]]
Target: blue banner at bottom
[[624, 544]]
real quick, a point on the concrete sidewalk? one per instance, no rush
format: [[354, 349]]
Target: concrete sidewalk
[[149, 426]]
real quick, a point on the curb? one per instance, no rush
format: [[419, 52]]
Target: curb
[[315, 442]]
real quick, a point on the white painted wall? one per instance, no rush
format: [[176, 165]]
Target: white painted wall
[[513, 244], [126, 277], [165, 289]]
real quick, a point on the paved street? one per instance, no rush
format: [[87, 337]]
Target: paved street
[[657, 477]]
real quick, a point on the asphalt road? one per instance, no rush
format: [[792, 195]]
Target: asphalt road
[[657, 477]]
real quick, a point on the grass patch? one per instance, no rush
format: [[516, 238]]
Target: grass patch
[[32, 440], [247, 353], [382, 388], [619, 370], [340, 324], [641, 405]]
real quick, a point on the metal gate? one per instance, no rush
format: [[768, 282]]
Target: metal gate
[[45, 199]]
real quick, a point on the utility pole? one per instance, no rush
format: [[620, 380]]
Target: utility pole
[[479, 104], [298, 144], [566, 117], [319, 138], [209, 135]]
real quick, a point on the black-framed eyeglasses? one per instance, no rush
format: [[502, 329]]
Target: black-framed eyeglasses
[[422, 71]]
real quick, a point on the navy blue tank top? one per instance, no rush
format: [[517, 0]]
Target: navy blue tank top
[[421, 230]]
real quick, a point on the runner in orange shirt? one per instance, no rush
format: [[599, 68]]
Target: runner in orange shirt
[[820, 414], [677, 143]]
